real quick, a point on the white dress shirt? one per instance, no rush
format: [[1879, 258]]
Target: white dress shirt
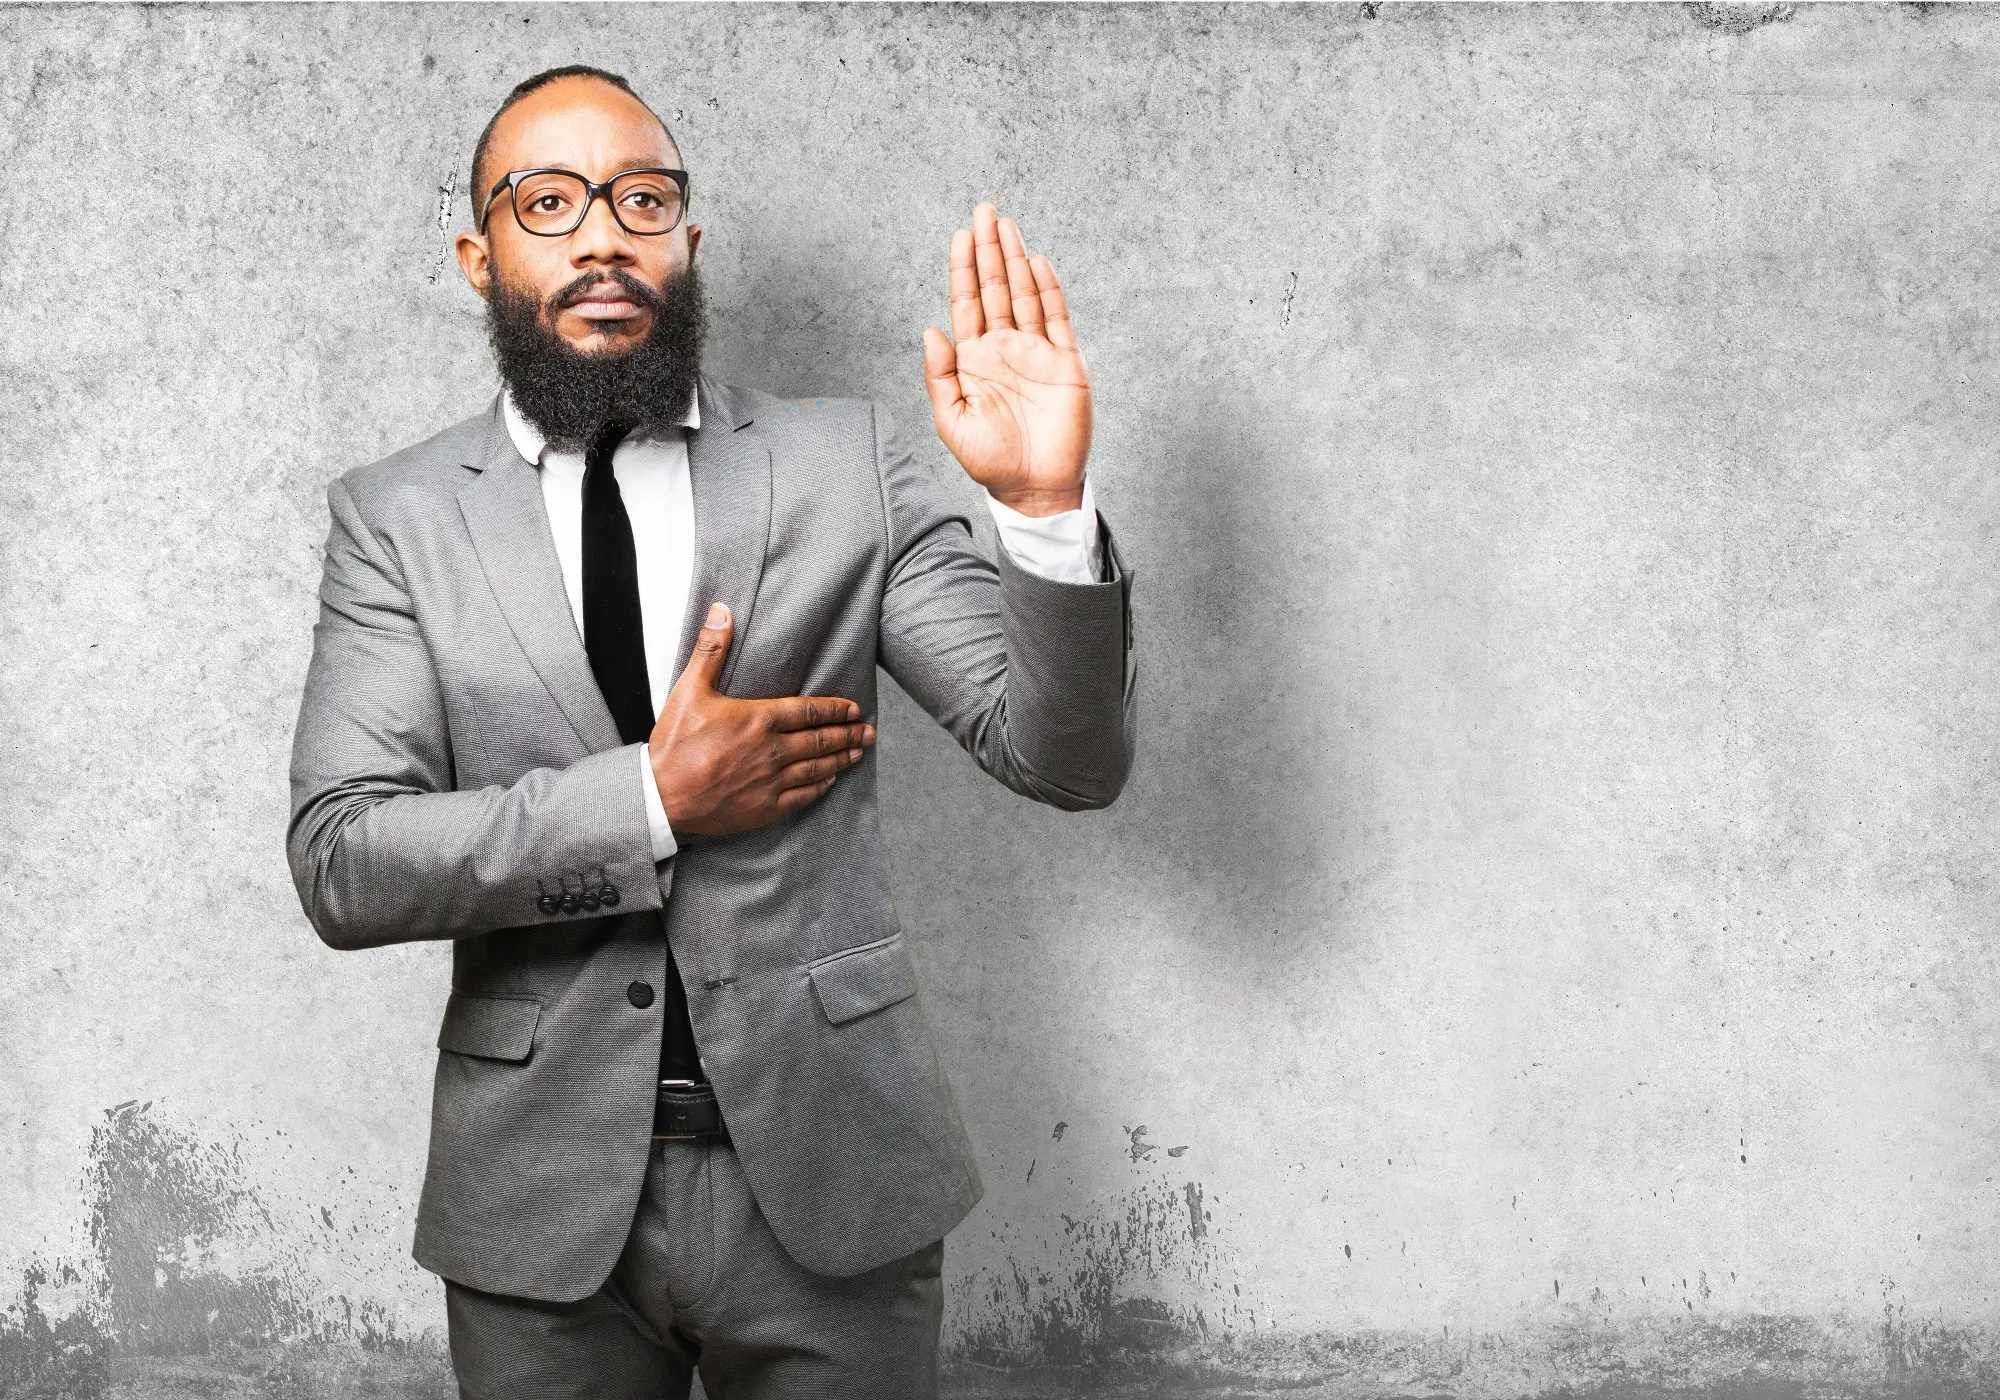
[[652, 476]]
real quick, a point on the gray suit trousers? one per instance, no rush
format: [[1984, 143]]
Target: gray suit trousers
[[703, 1285]]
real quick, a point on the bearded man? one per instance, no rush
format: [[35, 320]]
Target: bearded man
[[592, 696]]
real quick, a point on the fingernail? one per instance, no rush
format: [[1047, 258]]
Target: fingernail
[[854, 755], [867, 733], [717, 614]]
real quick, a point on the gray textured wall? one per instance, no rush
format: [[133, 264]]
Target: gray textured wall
[[1548, 940]]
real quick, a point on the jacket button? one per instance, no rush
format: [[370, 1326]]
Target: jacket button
[[570, 903], [608, 896], [640, 995], [590, 901], [548, 904]]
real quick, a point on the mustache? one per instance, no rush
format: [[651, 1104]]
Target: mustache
[[649, 297]]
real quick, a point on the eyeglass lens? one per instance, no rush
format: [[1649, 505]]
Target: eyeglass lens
[[551, 202]]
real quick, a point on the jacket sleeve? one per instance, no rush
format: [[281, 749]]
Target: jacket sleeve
[[1034, 678], [382, 849]]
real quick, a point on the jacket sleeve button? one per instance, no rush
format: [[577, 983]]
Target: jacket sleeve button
[[589, 899], [608, 896], [570, 903], [548, 904]]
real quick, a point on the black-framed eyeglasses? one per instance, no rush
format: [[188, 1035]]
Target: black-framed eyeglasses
[[551, 203]]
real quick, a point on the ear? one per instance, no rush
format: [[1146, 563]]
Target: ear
[[475, 260], [694, 240]]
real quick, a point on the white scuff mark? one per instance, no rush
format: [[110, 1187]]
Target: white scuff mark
[[446, 192], [1291, 286]]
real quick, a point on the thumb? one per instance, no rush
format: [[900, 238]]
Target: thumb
[[941, 378], [711, 648]]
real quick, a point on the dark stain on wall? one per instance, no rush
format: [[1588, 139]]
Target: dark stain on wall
[[40, 1359], [1744, 1358], [1144, 1278], [162, 1202], [169, 1217], [1142, 1301], [1137, 1300]]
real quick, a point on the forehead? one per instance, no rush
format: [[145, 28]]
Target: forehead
[[581, 124]]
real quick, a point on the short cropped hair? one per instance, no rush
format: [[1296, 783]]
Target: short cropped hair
[[480, 181]]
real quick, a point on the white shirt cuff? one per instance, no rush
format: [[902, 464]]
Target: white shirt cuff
[[664, 844], [1063, 547]]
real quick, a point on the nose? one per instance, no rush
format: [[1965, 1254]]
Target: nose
[[599, 238]]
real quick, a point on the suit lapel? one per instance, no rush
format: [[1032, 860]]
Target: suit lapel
[[730, 472], [510, 532]]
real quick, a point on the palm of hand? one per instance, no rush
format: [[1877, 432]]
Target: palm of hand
[[1025, 426], [1009, 392]]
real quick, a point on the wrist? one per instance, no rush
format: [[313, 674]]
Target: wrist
[[1041, 502], [656, 761]]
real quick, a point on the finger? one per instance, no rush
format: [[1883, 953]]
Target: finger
[[941, 376], [1055, 308], [968, 321], [711, 648], [1021, 289], [798, 745], [811, 772], [792, 799], [993, 298], [809, 712]]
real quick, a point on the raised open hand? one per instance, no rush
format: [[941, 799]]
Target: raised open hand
[[1009, 393]]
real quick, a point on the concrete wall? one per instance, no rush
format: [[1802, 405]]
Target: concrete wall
[[1548, 940]]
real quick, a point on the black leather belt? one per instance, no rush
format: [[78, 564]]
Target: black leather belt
[[685, 1111]]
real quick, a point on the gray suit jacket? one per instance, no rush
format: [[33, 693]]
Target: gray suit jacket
[[453, 759]]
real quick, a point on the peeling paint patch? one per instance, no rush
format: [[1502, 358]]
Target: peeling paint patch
[[1737, 19], [446, 192], [1141, 1150]]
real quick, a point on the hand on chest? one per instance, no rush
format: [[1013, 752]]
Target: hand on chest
[[796, 554]]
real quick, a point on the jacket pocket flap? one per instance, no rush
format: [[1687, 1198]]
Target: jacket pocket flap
[[859, 980], [494, 1028]]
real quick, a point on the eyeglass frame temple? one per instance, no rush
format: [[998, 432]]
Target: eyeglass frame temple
[[511, 180]]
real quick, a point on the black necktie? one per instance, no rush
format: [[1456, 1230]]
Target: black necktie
[[613, 631], [614, 635]]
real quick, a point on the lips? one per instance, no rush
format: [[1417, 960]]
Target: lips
[[607, 301]]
